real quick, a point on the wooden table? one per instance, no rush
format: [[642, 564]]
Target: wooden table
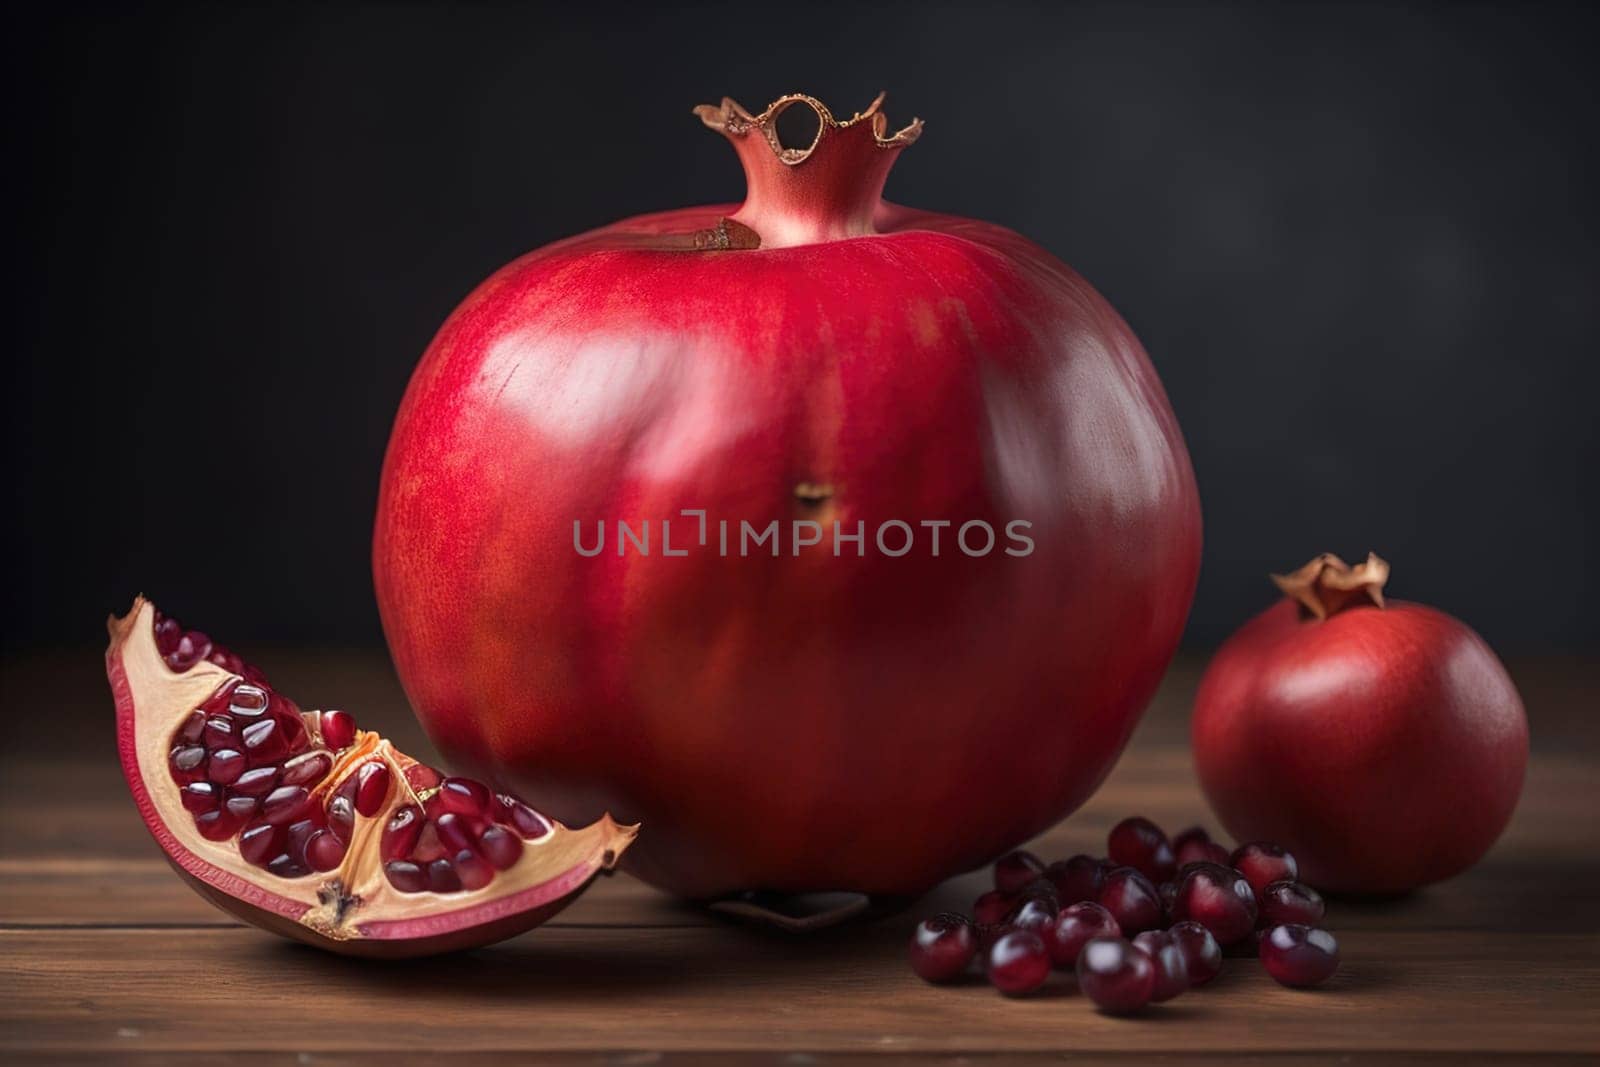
[[108, 955]]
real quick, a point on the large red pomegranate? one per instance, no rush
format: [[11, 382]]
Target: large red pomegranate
[[616, 548], [1380, 741]]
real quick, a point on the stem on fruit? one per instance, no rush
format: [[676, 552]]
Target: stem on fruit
[[1328, 585], [829, 190]]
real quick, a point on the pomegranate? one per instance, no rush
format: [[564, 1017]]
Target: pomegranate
[[1381, 742], [656, 528], [305, 825]]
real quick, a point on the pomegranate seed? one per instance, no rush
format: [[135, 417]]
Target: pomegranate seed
[[257, 782], [1015, 870], [338, 729], [1018, 963], [299, 833], [400, 835], [372, 788], [472, 869], [1263, 863], [406, 877], [285, 866], [523, 819], [188, 763], [1036, 915], [225, 766], [168, 631], [1194, 845], [464, 796], [225, 659], [218, 732], [243, 807], [307, 769], [1201, 953], [1131, 900], [264, 742], [324, 851], [285, 804], [191, 648], [193, 727], [1119, 977], [218, 825], [248, 701], [1140, 844], [454, 832], [1076, 926], [1042, 890], [500, 847], [260, 842], [341, 818], [941, 947], [1298, 955], [197, 797], [1218, 899], [1076, 879], [1289, 902], [1172, 966], [442, 877], [993, 908]]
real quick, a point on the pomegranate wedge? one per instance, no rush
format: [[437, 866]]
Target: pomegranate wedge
[[303, 824]]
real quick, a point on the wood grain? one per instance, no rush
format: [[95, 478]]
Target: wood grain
[[108, 956]]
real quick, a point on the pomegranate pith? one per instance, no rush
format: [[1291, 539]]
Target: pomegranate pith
[[293, 843]]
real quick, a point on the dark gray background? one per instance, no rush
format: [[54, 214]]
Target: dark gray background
[[1359, 243]]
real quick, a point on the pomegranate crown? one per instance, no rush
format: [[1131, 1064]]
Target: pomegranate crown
[[829, 190], [732, 120], [1328, 585]]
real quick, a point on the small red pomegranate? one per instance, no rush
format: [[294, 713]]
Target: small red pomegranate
[[1382, 743], [840, 542]]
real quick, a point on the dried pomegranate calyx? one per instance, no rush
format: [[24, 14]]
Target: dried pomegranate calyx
[[1328, 585], [828, 190], [733, 120]]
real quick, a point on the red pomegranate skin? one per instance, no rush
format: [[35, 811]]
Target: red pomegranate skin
[[1384, 747], [811, 722]]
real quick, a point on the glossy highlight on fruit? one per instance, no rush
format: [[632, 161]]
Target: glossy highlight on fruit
[[1298, 955], [1217, 898], [1118, 976], [942, 947], [1263, 863], [1201, 953], [1018, 963], [1075, 926], [815, 359], [274, 814], [1171, 964], [1380, 741], [1289, 902], [1131, 900], [1140, 844]]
